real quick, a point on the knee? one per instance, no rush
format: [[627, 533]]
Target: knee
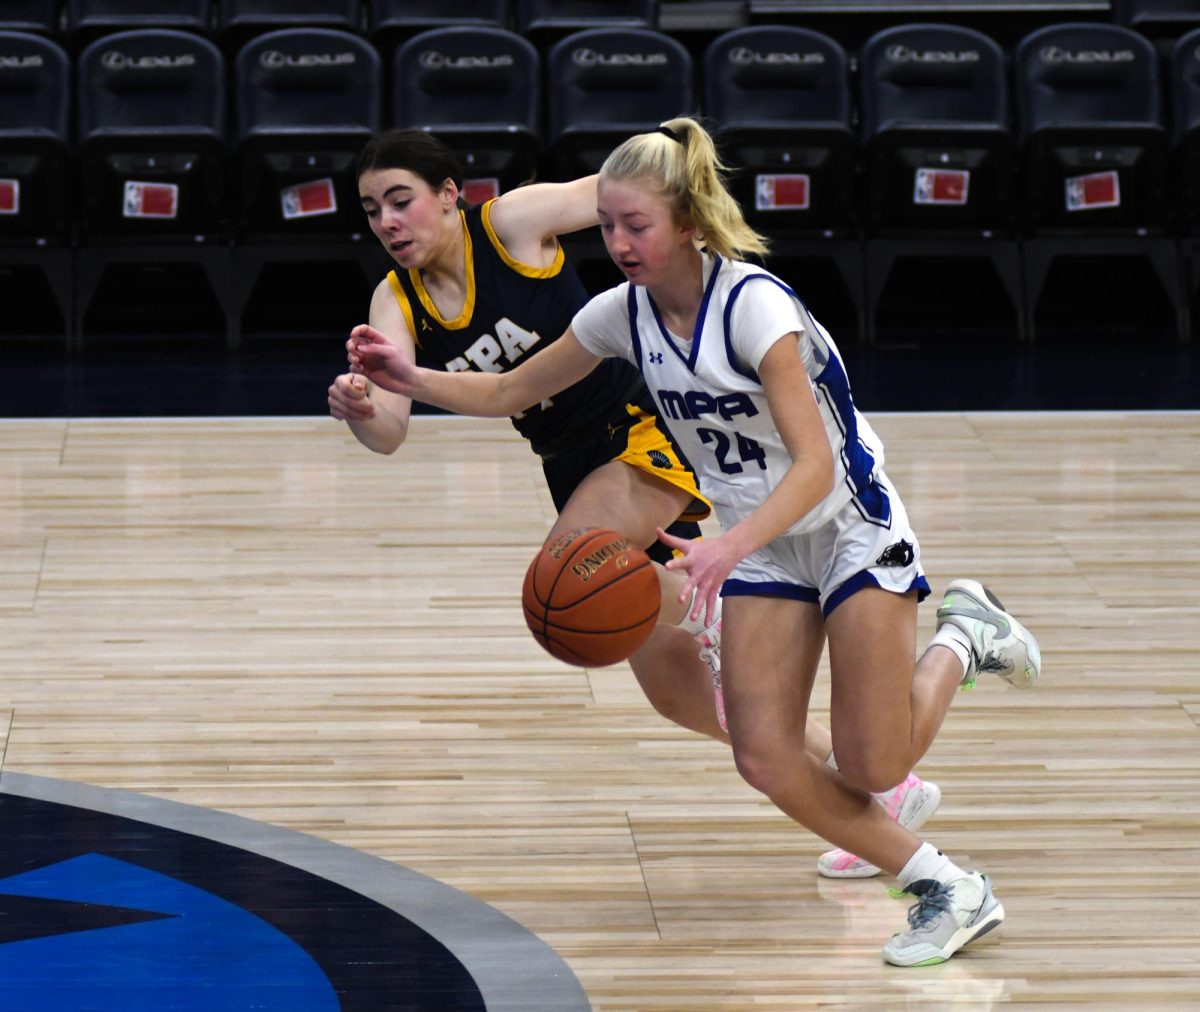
[[875, 772], [771, 771]]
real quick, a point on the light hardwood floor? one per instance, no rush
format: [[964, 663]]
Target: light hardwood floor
[[262, 617]]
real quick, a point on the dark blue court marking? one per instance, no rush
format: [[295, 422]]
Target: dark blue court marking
[[117, 902]]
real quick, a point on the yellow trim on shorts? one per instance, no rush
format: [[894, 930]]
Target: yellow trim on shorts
[[644, 436], [526, 270], [405, 308]]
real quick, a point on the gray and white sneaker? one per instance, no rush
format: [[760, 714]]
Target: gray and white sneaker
[[944, 919], [1000, 645]]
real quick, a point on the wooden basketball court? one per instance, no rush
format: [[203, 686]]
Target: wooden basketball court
[[261, 617]]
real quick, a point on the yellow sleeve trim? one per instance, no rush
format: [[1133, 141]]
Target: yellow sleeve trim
[[405, 308], [526, 270]]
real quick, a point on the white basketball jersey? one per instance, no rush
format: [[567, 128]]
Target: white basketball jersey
[[715, 405]]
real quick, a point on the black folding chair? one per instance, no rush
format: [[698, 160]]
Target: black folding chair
[[35, 149], [478, 90]]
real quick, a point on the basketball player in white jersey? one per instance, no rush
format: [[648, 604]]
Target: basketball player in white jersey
[[815, 541]]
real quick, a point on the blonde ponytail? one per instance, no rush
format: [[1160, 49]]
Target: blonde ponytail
[[681, 161]]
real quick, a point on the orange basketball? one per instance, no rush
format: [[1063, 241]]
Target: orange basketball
[[591, 597]]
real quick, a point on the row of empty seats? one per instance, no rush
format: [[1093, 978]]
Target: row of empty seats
[[1083, 128], [231, 23], [930, 129]]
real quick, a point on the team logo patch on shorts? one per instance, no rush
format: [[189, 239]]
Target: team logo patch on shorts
[[659, 459], [899, 554]]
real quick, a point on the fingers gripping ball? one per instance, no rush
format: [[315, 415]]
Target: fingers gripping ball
[[591, 597]]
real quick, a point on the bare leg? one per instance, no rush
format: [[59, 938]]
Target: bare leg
[[668, 667], [770, 647]]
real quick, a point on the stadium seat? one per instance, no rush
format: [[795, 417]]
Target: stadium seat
[[478, 90], [87, 20], [780, 98], [40, 16], [238, 21], [547, 21], [392, 22], [602, 85], [306, 102], [935, 128], [1094, 150], [150, 153], [780, 101], [1091, 127], [1185, 159], [150, 133], [1158, 19], [34, 144], [938, 152], [1185, 146], [34, 155]]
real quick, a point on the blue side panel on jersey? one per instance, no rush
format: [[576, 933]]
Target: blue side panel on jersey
[[210, 955]]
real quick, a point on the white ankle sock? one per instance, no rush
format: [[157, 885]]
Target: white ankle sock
[[952, 637], [929, 862]]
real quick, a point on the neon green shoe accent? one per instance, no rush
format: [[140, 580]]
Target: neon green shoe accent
[[900, 894]]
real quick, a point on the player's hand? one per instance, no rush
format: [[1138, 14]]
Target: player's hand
[[349, 399], [706, 564], [379, 359]]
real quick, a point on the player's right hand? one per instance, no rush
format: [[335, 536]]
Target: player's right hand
[[378, 358], [349, 399]]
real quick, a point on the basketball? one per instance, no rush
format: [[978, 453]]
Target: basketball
[[591, 597]]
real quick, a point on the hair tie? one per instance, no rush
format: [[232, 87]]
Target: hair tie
[[668, 132]]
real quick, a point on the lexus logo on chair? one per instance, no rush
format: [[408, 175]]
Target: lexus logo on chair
[[114, 59], [743, 56], [274, 59], [1056, 54], [433, 59], [20, 62], [590, 58], [902, 54]]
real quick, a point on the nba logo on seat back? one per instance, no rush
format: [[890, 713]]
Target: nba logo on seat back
[[788, 192], [10, 196], [304, 200], [1097, 189], [150, 200], [941, 186]]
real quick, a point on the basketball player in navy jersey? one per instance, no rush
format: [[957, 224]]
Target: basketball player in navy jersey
[[483, 289]]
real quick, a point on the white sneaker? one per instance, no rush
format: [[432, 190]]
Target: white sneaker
[[710, 653], [909, 803], [944, 919], [999, 643]]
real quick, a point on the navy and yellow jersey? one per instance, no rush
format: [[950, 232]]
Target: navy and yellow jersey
[[511, 311]]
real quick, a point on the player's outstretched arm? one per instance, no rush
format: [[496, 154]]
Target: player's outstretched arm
[[491, 395], [377, 417]]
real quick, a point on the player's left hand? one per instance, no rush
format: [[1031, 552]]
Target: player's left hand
[[706, 563]]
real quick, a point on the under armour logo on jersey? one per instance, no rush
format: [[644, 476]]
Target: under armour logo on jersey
[[899, 554], [656, 357]]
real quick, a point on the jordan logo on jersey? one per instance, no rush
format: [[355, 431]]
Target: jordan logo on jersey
[[425, 324]]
